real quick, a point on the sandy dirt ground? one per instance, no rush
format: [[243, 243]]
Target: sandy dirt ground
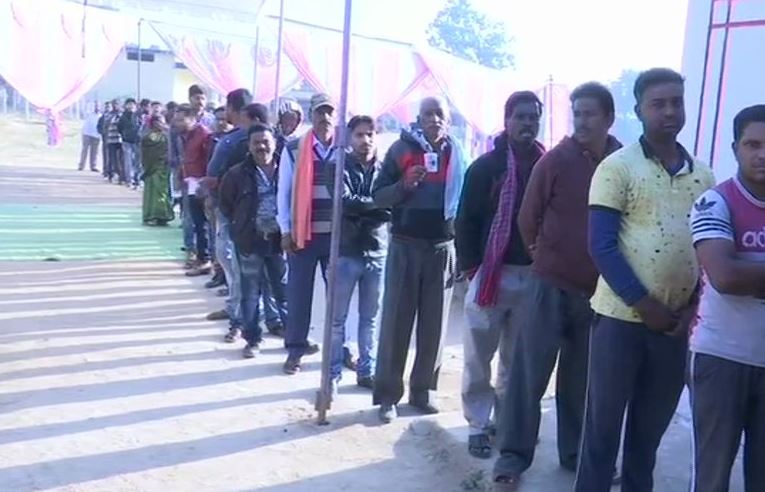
[[111, 379]]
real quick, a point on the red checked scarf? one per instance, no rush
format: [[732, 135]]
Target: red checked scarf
[[500, 233]]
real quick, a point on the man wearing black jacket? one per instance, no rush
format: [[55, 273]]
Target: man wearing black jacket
[[363, 249], [248, 201], [491, 253], [129, 127]]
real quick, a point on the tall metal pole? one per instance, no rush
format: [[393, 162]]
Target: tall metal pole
[[324, 396], [697, 139], [720, 82], [255, 64], [279, 42], [138, 69]]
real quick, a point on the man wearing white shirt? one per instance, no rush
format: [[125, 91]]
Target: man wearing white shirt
[[90, 138], [304, 217]]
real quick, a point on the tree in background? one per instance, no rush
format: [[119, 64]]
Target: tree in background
[[464, 32], [627, 127]]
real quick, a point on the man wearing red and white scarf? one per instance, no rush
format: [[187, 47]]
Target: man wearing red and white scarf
[[491, 253]]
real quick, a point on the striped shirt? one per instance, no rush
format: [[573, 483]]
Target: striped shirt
[[113, 135], [321, 217], [731, 327]]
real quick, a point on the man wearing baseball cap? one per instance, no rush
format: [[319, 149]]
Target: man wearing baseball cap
[[305, 219]]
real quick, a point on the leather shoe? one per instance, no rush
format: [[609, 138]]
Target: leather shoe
[[388, 413], [367, 382], [217, 315], [313, 348], [424, 407], [216, 281]]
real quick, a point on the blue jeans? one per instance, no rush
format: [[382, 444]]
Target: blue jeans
[[269, 306], [201, 226], [367, 273], [258, 271], [133, 167], [187, 224], [226, 255]]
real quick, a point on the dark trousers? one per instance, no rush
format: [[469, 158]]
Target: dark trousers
[[419, 279], [557, 328], [727, 399], [104, 157], [632, 368], [302, 274], [258, 272], [199, 219], [114, 163], [89, 150]]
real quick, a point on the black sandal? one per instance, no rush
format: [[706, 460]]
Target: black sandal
[[507, 483], [479, 446]]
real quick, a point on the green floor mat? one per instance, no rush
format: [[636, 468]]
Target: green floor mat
[[75, 232]]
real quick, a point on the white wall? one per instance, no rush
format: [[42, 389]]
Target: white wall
[[744, 82], [157, 79]]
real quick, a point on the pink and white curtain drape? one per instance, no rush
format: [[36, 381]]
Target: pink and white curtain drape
[[225, 63], [43, 56], [381, 73]]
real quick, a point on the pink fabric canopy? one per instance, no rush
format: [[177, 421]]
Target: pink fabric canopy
[[45, 60], [479, 94], [226, 63], [382, 73]]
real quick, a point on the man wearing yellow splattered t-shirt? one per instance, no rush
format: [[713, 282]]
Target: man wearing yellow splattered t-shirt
[[640, 201]]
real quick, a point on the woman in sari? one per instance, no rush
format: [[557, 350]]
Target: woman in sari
[[157, 204]]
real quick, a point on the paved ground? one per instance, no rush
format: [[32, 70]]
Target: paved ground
[[111, 380]]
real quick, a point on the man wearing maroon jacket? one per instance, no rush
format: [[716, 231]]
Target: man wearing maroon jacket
[[196, 144]]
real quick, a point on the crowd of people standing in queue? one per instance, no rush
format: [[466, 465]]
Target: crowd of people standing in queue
[[625, 264]]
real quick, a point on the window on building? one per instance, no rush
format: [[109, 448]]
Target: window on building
[[132, 55]]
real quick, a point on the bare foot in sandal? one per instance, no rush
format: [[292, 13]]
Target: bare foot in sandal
[[479, 446]]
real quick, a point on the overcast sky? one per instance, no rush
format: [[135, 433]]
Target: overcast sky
[[572, 40]]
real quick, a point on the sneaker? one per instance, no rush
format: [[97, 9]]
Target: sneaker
[[388, 413], [367, 382], [191, 260], [233, 333], [250, 351], [217, 315], [292, 366], [203, 268]]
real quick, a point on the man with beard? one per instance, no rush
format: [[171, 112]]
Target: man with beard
[[491, 253], [420, 180], [305, 219], [727, 366], [640, 201], [553, 223], [248, 201]]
